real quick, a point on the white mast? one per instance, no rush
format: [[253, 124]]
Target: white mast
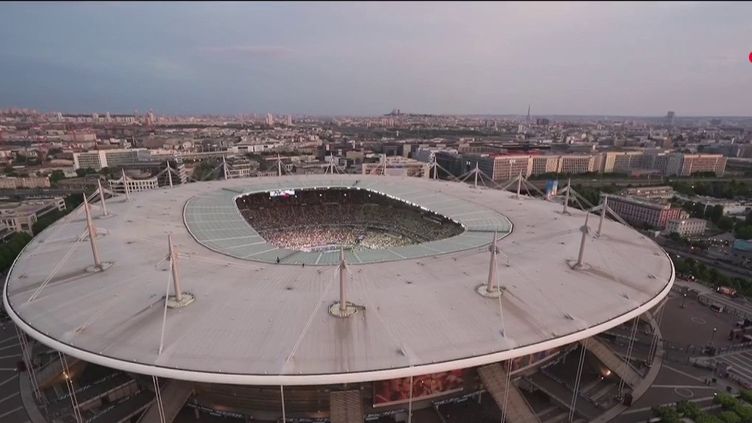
[[604, 208], [519, 184], [125, 186], [566, 197], [494, 249], [224, 167], [101, 198], [169, 173], [174, 267], [476, 171], [342, 280], [279, 165], [92, 236], [585, 230]]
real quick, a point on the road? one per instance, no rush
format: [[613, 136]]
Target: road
[[726, 269]]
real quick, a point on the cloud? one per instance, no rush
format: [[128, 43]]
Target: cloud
[[274, 52]]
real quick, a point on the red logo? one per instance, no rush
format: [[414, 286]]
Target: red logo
[[750, 57]]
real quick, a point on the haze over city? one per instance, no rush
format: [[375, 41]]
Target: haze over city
[[633, 59]]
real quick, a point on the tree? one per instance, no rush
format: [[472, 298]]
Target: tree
[[730, 417], [743, 232], [715, 213], [746, 395], [667, 414], [745, 412], [725, 400], [725, 223], [56, 175], [84, 172], [707, 418], [713, 275], [688, 409]]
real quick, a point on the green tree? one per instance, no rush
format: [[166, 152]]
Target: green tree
[[725, 223], [714, 213], [725, 400], [667, 414], [84, 172], [707, 418], [713, 275], [743, 232], [56, 175], [746, 394], [744, 411], [730, 417]]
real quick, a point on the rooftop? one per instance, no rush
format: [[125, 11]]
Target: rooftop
[[255, 322]]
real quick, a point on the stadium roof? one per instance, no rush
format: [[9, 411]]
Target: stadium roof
[[256, 322]]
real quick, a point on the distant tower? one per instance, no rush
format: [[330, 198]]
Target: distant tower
[[670, 118], [289, 120], [528, 115], [269, 119]]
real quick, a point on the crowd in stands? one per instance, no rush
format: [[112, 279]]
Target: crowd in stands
[[310, 219]]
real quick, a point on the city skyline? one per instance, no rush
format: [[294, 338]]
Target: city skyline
[[573, 59]]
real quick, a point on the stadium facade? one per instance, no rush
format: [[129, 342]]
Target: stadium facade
[[444, 291]]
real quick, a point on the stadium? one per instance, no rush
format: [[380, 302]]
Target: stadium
[[332, 298]]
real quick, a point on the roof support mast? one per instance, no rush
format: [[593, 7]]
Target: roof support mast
[[476, 171], [101, 198], [169, 173], [342, 280], [585, 229], [519, 185], [491, 289], [279, 165], [180, 299], [92, 236], [343, 308], [174, 268], [125, 186], [604, 209], [566, 197]]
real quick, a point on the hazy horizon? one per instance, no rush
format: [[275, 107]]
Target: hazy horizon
[[364, 59]]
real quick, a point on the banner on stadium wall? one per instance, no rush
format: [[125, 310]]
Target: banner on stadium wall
[[397, 391], [282, 193]]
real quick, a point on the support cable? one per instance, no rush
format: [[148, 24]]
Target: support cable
[[578, 380], [158, 399], [508, 382], [71, 390], [26, 353], [57, 267], [629, 353], [410, 403]]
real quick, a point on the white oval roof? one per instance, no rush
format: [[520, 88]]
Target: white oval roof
[[255, 322]]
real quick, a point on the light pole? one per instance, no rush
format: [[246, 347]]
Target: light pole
[[713, 336], [684, 300]]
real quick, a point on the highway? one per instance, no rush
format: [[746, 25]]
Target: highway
[[724, 268]]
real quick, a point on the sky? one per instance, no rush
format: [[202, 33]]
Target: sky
[[633, 59]]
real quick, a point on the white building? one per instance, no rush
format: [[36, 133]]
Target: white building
[[21, 216], [686, 227], [106, 158], [134, 185]]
